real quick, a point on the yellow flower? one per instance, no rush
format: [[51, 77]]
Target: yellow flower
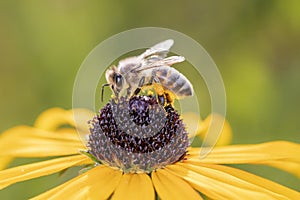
[[185, 179]]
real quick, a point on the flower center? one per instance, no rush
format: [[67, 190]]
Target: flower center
[[137, 135]]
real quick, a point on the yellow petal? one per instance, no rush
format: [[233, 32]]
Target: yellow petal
[[81, 118], [258, 181], [30, 171], [192, 123], [21, 132], [201, 183], [225, 135], [24, 141], [75, 189], [169, 186], [134, 186], [53, 118], [4, 161], [291, 167], [96, 184], [103, 181], [222, 182], [281, 154]]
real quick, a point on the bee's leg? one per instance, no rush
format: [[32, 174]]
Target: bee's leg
[[161, 99], [128, 92], [152, 79], [141, 83], [137, 90], [116, 97], [170, 98]]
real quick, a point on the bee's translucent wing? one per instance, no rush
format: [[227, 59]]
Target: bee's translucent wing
[[164, 62], [164, 45], [169, 61], [159, 50]]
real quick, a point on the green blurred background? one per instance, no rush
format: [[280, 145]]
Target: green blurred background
[[256, 45]]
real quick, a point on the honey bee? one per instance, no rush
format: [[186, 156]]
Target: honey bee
[[151, 68]]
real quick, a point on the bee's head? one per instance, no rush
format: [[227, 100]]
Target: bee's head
[[115, 80]]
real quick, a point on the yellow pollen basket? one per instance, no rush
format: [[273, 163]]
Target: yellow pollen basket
[[161, 91]]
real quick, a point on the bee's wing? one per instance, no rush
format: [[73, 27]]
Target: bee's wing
[[160, 50], [164, 62], [169, 61]]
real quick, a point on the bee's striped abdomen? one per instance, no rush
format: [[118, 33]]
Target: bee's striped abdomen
[[174, 81]]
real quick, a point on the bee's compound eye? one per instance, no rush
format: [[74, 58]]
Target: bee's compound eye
[[118, 80]]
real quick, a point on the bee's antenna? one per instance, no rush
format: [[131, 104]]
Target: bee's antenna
[[102, 90]]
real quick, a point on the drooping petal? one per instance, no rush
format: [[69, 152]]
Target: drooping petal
[[81, 118], [226, 132], [222, 182], [4, 161], [96, 184], [21, 132], [192, 122], [24, 141], [288, 166], [135, 187], [53, 118], [169, 186], [197, 127], [281, 154], [30, 171]]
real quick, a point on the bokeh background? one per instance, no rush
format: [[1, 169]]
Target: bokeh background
[[256, 45]]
